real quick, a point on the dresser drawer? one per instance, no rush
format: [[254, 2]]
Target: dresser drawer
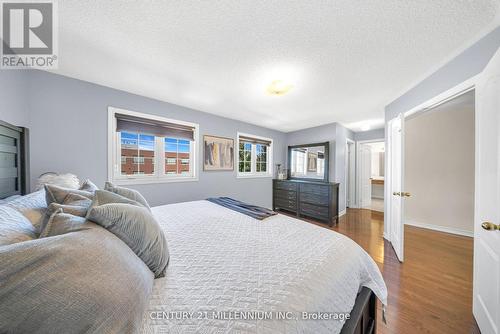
[[290, 186], [312, 198], [317, 189], [285, 203], [314, 210], [285, 194]]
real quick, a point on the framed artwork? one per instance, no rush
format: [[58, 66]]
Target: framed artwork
[[218, 153], [312, 162]]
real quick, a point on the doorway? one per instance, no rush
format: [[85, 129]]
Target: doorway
[[371, 174], [439, 167]]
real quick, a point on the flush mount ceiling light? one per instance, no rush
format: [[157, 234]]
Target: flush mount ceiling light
[[279, 87], [365, 127]]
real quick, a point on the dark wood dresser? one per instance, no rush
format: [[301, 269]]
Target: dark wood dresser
[[319, 200]]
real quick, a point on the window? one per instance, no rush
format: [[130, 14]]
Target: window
[[137, 153], [177, 151], [148, 149], [137, 160], [254, 156]]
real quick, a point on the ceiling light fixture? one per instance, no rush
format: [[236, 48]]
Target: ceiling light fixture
[[278, 88], [365, 127]]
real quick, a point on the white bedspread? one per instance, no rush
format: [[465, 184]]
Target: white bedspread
[[225, 266]]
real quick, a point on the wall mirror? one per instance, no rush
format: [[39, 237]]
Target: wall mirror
[[308, 162]]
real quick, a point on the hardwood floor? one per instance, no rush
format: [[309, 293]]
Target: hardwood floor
[[431, 292]]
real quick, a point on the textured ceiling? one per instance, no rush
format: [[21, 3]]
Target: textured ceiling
[[345, 59]]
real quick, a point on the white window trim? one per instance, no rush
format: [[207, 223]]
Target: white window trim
[[114, 156], [253, 173]]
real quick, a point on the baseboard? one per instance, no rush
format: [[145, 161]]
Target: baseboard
[[451, 230], [343, 212]]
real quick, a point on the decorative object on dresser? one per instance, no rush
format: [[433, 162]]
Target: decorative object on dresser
[[218, 153], [319, 200]]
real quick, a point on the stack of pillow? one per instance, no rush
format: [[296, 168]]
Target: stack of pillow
[[78, 260], [122, 211]]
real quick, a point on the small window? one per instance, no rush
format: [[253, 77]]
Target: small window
[[254, 156], [151, 148], [178, 152], [135, 150]]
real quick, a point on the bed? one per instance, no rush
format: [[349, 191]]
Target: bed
[[223, 262], [232, 273]]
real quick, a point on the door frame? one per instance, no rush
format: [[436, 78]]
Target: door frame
[[456, 91], [358, 166], [350, 171]]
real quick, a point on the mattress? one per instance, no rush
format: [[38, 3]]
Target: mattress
[[230, 273]]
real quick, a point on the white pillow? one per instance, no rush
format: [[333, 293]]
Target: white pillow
[[32, 206], [62, 180]]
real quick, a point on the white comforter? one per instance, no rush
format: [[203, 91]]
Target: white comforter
[[225, 267]]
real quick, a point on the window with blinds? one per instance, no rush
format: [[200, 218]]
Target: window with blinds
[[146, 148], [254, 156]]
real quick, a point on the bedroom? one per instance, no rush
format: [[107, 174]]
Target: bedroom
[[178, 102]]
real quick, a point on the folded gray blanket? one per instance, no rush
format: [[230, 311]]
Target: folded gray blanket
[[87, 281], [253, 211]]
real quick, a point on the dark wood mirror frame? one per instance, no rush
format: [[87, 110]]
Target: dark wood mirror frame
[[325, 178]]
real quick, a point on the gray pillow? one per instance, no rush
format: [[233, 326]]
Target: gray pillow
[[83, 282], [58, 194], [73, 203], [75, 199], [75, 210], [136, 226], [89, 186], [61, 223], [14, 227], [126, 192], [102, 197]]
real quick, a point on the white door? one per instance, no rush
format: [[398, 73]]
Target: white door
[[395, 184], [366, 174], [486, 284]]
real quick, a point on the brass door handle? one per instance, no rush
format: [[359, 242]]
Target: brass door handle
[[490, 226], [402, 194]]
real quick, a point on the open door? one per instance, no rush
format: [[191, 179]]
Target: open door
[[395, 184], [486, 284], [366, 174]]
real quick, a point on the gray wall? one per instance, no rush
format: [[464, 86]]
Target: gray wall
[[370, 135], [466, 65], [336, 135], [13, 97], [68, 123]]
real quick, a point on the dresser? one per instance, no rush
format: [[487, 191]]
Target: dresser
[[319, 200]]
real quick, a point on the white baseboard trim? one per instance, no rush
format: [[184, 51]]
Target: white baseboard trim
[[343, 212], [451, 230]]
